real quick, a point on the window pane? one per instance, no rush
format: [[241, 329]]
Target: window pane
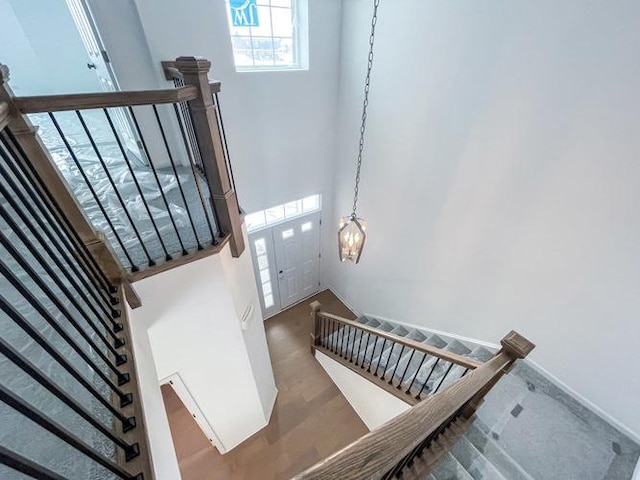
[[281, 3], [268, 301], [292, 209], [263, 262], [283, 51], [266, 288], [311, 203], [274, 214], [264, 275], [287, 234], [264, 28], [261, 246], [282, 22], [242, 53], [255, 220], [305, 227]]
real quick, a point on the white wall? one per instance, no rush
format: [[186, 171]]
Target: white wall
[[42, 47], [279, 124], [372, 404], [501, 179], [194, 330], [163, 454]]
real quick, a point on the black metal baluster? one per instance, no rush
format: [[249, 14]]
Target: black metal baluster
[[416, 375], [193, 142], [443, 377], [175, 172], [22, 464], [151, 263], [428, 377], [336, 330], [224, 141], [101, 302], [399, 386], [127, 422], [51, 426], [31, 370], [137, 184], [466, 370], [386, 365], [353, 345], [195, 175], [342, 347], [359, 345], [97, 274], [155, 175], [384, 344], [373, 353], [45, 265], [46, 315], [364, 353], [397, 363], [134, 267], [121, 358]]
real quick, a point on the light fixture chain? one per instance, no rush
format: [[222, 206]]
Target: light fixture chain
[[367, 83]]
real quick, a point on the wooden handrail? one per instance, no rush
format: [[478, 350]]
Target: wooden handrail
[[83, 101], [5, 112], [421, 347], [374, 454]]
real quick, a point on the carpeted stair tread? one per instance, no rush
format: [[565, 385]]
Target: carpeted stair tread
[[450, 469], [496, 455], [474, 462]]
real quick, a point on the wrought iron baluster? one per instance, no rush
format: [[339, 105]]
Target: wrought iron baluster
[[397, 363], [424, 357], [134, 267]]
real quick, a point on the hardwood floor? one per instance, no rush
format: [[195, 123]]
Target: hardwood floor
[[311, 418]]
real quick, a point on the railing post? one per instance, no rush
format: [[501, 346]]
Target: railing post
[[515, 346], [37, 155], [208, 134], [315, 333]]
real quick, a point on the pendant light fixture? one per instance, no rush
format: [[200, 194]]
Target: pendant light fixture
[[351, 234]]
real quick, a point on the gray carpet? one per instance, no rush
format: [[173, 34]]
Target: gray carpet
[[527, 428]]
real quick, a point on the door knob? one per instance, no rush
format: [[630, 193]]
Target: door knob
[[91, 65]]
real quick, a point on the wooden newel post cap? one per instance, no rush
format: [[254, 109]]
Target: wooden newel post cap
[[516, 345], [193, 64], [315, 307]]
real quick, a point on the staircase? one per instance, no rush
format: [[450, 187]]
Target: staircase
[[522, 413]]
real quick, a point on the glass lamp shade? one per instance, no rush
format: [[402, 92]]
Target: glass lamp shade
[[351, 238]]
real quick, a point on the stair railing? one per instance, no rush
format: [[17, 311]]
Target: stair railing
[[389, 450], [178, 203], [408, 369], [70, 394]]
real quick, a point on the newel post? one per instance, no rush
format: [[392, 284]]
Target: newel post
[[514, 347], [36, 157], [315, 332], [208, 134]]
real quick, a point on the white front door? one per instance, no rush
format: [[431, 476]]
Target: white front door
[[286, 260], [297, 249]]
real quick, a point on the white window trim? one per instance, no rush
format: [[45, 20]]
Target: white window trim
[[300, 13]]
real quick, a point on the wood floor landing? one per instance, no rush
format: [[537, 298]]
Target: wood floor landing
[[311, 418]]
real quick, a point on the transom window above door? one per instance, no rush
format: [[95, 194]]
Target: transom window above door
[[268, 34], [280, 213]]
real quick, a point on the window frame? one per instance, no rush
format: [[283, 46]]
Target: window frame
[[299, 39]]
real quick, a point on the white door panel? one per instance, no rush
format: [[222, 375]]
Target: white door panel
[[286, 261]]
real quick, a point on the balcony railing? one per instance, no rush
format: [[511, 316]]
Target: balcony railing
[[150, 169], [68, 396]]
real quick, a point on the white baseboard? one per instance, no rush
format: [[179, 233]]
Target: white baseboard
[[562, 385], [590, 405], [182, 391], [343, 300]]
